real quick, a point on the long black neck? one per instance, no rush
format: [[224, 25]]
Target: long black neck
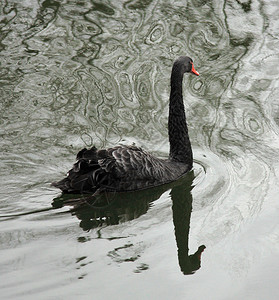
[[180, 146]]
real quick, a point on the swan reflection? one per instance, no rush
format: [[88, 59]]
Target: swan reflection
[[115, 208]]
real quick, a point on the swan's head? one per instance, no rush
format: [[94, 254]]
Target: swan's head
[[186, 64]]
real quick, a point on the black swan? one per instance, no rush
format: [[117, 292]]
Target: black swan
[[130, 168]]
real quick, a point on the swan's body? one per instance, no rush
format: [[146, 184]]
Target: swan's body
[[127, 168]]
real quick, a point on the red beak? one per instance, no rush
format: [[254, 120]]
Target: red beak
[[194, 71]]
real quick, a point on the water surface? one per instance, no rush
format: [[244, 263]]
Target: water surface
[[78, 73]]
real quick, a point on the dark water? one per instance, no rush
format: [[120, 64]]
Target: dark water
[[77, 73]]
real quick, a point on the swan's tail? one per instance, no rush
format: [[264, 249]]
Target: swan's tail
[[86, 176]]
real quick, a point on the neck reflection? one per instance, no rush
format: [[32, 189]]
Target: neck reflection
[[182, 208]]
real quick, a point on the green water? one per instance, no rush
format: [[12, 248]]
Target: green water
[[78, 73]]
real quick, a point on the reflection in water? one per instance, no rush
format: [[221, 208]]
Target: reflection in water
[[182, 208], [115, 208]]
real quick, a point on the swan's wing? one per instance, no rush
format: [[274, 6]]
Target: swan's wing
[[130, 168], [121, 168], [132, 163]]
